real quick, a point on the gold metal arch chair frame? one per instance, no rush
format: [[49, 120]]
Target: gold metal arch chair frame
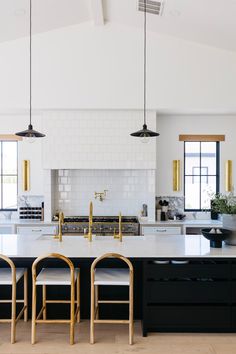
[[74, 278], [95, 297], [12, 278]]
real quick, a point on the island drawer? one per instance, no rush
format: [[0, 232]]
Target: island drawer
[[188, 292], [190, 270], [233, 270], [187, 317]]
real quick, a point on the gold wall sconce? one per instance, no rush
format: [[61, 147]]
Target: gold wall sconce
[[26, 175], [176, 175], [229, 176]]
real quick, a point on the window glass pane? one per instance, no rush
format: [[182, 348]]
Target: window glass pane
[[9, 158], [208, 155], [192, 193], [9, 190], [206, 189], [192, 156]]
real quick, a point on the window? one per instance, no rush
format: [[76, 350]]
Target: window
[[196, 173], [8, 175], [201, 173]]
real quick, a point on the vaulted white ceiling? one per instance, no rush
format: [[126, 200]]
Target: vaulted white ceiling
[[210, 22]]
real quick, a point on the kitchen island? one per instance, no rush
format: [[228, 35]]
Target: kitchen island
[[181, 284]]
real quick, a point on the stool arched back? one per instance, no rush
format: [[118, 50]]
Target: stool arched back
[[12, 266], [14, 319], [72, 301], [52, 255], [112, 255]]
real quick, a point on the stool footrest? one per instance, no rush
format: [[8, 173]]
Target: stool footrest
[[112, 321], [113, 301], [53, 321], [60, 301], [10, 301]]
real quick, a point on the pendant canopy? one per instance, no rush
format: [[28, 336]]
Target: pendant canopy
[[145, 133], [30, 132]]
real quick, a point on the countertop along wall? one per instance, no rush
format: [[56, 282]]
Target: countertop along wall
[[169, 147]]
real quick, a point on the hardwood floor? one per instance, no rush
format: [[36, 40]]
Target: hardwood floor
[[54, 339]]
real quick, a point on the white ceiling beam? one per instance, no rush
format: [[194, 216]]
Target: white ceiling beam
[[97, 12]]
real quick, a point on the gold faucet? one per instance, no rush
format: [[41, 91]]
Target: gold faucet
[[60, 223], [100, 195], [89, 235], [119, 235]]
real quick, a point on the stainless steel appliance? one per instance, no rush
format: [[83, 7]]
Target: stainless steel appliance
[[102, 225]]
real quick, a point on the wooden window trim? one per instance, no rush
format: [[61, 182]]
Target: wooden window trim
[[200, 137], [10, 137]]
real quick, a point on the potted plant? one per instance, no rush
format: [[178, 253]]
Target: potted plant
[[225, 204]]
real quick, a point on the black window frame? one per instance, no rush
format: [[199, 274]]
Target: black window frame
[[3, 175], [217, 175], [203, 175]]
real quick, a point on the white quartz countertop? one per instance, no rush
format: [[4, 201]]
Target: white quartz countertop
[[25, 222], [192, 223], [179, 246]]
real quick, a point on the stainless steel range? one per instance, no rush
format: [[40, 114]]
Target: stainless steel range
[[102, 225]]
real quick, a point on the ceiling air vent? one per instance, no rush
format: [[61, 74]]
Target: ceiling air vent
[[152, 6]]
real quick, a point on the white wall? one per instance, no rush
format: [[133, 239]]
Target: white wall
[[96, 140], [169, 147], [91, 67]]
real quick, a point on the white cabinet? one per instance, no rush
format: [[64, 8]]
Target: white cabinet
[[7, 229], [37, 230], [161, 230]]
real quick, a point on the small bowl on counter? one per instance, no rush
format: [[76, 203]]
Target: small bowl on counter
[[216, 236]]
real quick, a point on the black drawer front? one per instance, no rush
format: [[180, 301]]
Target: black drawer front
[[234, 271], [234, 316], [195, 317], [188, 292], [172, 271]]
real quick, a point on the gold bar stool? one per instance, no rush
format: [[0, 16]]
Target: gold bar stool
[[55, 276], [111, 276], [11, 276]]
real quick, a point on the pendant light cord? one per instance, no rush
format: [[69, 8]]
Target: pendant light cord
[[145, 62], [30, 61]]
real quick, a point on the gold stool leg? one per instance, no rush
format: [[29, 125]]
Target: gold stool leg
[[96, 303], [26, 295], [92, 315], [13, 313], [78, 296], [33, 330], [131, 315], [44, 302], [72, 313]]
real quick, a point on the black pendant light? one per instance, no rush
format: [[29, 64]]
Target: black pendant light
[[145, 133], [30, 132]]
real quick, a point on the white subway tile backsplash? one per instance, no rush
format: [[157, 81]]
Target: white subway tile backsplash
[[127, 191]]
